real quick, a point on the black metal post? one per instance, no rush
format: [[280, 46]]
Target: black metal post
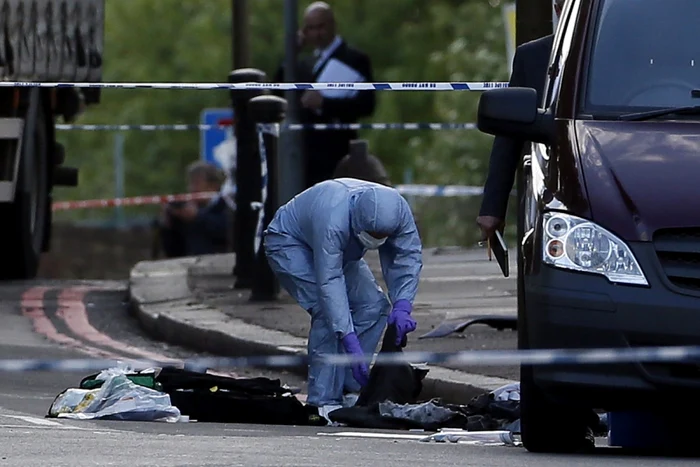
[[292, 158], [533, 19], [267, 110], [240, 33], [360, 164], [247, 175]]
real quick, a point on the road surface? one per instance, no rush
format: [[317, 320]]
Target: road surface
[[89, 319]]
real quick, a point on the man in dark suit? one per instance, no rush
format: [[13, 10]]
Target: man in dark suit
[[529, 71], [333, 60]]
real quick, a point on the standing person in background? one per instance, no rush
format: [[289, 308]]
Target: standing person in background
[[333, 60]]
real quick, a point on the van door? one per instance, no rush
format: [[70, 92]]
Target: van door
[[536, 166]]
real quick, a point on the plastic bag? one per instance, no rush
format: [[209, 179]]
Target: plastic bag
[[72, 400], [118, 398]]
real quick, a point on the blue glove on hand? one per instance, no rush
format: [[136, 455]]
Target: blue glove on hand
[[401, 318], [360, 370]]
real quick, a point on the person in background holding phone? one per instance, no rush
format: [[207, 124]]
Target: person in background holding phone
[[196, 227]]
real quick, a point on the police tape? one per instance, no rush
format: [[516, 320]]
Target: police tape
[[393, 86], [534, 357], [262, 150], [447, 191], [143, 127], [284, 126], [132, 201], [443, 191], [380, 126]]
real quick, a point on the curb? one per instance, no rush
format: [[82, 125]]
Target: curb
[[161, 300]]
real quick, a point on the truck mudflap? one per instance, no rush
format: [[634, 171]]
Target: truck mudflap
[[11, 130]]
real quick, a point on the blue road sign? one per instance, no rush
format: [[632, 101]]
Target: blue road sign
[[210, 139]]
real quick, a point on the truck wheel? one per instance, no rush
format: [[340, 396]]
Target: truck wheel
[[24, 220]]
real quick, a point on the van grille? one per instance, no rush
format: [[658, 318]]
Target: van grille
[[678, 251]]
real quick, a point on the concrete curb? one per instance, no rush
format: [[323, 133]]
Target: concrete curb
[[161, 300]]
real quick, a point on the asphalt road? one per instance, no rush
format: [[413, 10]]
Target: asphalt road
[[30, 440]]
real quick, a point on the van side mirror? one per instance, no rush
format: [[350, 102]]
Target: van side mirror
[[514, 112]]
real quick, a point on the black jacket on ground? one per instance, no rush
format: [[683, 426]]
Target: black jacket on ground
[[529, 71], [325, 148]]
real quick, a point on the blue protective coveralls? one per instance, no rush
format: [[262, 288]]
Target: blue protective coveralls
[[312, 246]]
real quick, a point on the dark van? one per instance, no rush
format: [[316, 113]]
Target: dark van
[[609, 217]]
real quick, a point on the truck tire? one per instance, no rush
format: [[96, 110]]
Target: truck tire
[[24, 220]]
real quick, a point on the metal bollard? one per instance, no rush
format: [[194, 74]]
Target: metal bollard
[[268, 109], [360, 164], [247, 175]]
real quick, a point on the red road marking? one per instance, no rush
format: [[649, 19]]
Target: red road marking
[[32, 305], [71, 309]]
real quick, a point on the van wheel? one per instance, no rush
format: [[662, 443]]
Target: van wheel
[[24, 220], [548, 427], [545, 425]]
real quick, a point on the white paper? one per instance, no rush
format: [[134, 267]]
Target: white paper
[[336, 71]]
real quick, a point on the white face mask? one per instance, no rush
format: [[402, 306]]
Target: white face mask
[[369, 241]]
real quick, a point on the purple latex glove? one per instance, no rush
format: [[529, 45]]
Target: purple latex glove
[[401, 318], [360, 370]]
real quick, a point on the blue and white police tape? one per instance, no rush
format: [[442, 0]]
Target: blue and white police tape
[[262, 129], [284, 126], [380, 126], [439, 190], [597, 356], [448, 191], [386, 86]]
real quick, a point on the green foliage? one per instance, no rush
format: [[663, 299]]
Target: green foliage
[[408, 40]]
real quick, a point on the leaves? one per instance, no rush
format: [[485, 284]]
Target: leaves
[[408, 40]]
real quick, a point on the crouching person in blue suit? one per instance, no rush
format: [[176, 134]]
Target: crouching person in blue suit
[[315, 244]]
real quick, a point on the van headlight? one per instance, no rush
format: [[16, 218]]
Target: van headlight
[[573, 243]]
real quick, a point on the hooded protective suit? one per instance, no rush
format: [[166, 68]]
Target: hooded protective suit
[[313, 247]]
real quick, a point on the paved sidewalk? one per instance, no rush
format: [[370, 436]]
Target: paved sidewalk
[[192, 302]]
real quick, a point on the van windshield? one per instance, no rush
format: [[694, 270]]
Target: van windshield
[[645, 54]]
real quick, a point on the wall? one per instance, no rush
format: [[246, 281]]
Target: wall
[[95, 253]]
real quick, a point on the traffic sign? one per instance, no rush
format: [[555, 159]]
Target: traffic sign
[[217, 143]]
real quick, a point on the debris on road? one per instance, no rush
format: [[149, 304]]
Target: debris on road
[[115, 395], [173, 394], [488, 438], [390, 401], [483, 413], [494, 321]]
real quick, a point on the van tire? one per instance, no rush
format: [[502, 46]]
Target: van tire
[[546, 426], [24, 221], [549, 427]]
